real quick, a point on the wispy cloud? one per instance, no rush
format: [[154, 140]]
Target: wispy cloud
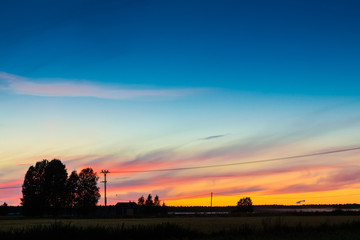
[[213, 137], [342, 177], [160, 181], [71, 88], [345, 178]]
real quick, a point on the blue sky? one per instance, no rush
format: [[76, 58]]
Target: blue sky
[[159, 84], [307, 47]]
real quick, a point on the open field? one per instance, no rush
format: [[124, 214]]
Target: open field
[[284, 227], [203, 224]]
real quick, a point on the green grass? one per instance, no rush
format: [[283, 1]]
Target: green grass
[[285, 227]]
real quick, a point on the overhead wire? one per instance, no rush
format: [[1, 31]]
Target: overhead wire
[[229, 164], [10, 187], [241, 163]]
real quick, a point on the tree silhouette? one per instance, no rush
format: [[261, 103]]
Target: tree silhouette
[[72, 189], [33, 200], [4, 209], [141, 201], [157, 201], [47, 188], [244, 205], [55, 177], [163, 209], [149, 202], [152, 207], [87, 191]]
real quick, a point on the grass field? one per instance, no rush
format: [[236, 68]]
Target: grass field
[[284, 227], [202, 224]]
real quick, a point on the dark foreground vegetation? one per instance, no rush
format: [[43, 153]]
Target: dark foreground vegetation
[[48, 190], [280, 230]]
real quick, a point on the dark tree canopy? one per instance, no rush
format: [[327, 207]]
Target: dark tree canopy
[[87, 191], [152, 207], [4, 209], [149, 202], [47, 189], [156, 201], [33, 191], [244, 205], [141, 201], [55, 177], [72, 189]]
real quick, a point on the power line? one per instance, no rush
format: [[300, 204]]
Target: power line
[[10, 187], [311, 197], [225, 165], [242, 163]]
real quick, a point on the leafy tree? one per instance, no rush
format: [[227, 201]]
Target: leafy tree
[[141, 201], [87, 193], [152, 207], [149, 202], [157, 201], [48, 189], [33, 200], [244, 205], [72, 189], [55, 177]]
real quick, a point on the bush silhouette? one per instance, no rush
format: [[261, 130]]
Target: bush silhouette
[[244, 205]]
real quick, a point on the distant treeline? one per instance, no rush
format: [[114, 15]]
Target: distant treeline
[[116, 211], [262, 207]]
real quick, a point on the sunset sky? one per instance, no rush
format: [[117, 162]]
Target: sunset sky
[[146, 85]]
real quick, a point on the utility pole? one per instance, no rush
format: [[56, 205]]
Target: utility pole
[[105, 172], [211, 199]]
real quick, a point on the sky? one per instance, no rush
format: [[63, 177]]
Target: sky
[[136, 86]]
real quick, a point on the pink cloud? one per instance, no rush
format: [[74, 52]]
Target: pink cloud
[[66, 88], [171, 181], [11, 184], [342, 177], [325, 177], [345, 178], [11, 192]]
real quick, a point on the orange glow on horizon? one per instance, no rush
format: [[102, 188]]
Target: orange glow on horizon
[[316, 180], [331, 197]]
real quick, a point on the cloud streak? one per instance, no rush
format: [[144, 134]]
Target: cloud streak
[[66, 88], [316, 176], [213, 137], [345, 178], [143, 184]]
